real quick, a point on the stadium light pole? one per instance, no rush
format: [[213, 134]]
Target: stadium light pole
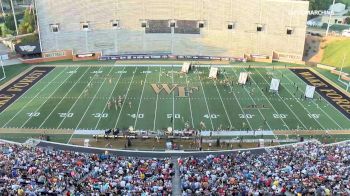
[[2, 68], [329, 19], [341, 69], [14, 16], [2, 9], [341, 73]]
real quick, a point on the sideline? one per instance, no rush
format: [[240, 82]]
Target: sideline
[[154, 154]]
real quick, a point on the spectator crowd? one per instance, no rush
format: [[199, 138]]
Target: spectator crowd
[[301, 169], [304, 169], [40, 171]]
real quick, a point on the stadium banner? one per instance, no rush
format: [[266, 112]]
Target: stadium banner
[[4, 57], [275, 83], [326, 67], [185, 67], [213, 72], [167, 56], [243, 77], [17, 88], [310, 91], [333, 95], [54, 54]]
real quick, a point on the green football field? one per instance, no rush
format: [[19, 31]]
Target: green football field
[[77, 98]]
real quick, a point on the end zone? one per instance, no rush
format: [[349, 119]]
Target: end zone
[[332, 94], [17, 88]]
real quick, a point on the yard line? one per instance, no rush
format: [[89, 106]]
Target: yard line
[[48, 116], [270, 103], [223, 104], [88, 106], [306, 110], [319, 107], [156, 109], [105, 107], [172, 80], [285, 103], [82, 92], [51, 72], [206, 103], [143, 89], [46, 100], [127, 92], [30, 101], [189, 101], [255, 104], [239, 104]]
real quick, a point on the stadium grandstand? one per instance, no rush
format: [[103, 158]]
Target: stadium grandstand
[[224, 28], [307, 168], [169, 98]]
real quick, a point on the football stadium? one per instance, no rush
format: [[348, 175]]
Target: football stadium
[[183, 98]]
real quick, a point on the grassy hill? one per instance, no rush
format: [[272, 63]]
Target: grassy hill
[[334, 53]]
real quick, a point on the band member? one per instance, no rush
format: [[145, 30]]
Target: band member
[[115, 104], [109, 104], [202, 125]]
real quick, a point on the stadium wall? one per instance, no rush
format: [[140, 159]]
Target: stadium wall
[[214, 39]]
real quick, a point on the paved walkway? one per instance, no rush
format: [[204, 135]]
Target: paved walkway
[[176, 180]]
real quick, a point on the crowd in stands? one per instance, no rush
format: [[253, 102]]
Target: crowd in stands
[[302, 169], [308, 169], [40, 171]]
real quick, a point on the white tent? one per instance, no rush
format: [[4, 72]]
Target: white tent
[[213, 72], [310, 91], [243, 77], [275, 83], [185, 67], [337, 8]]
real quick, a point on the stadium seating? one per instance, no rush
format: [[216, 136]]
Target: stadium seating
[[158, 26], [187, 27], [39, 171], [308, 169], [302, 169]]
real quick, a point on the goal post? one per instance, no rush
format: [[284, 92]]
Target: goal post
[[2, 73]]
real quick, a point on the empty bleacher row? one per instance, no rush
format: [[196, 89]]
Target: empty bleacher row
[[183, 27], [158, 26], [180, 26], [187, 27]]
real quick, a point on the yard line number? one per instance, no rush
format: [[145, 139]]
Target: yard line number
[[212, 116], [33, 114], [280, 116], [136, 115], [249, 116], [100, 115], [314, 116], [97, 72], [66, 115], [175, 115]]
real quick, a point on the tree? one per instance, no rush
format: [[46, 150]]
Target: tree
[[28, 23], [319, 5], [30, 38], [9, 22], [347, 20]]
